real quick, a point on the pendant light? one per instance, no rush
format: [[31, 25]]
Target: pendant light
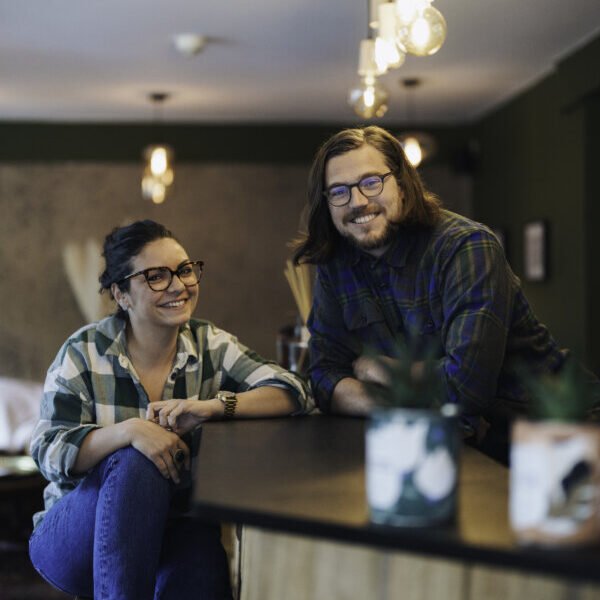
[[158, 173], [395, 28], [369, 98], [417, 145], [421, 27]]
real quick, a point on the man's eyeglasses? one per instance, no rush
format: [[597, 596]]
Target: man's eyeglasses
[[160, 278], [369, 186]]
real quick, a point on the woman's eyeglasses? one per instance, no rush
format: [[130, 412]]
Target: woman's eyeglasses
[[160, 278]]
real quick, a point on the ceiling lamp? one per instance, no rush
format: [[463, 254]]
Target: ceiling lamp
[[369, 99], [158, 158], [189, 44], [417, 145], [425, 34], [400, 27]]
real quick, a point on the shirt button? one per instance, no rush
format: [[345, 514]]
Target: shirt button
[[123, 361]]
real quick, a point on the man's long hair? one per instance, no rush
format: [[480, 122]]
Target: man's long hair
[[421, 207]]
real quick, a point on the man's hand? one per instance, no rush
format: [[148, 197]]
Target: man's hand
[[373, 369]]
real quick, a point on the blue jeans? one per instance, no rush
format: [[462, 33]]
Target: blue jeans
[[112, 537]]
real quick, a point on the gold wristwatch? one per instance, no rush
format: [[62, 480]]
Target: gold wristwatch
[[229, 400]]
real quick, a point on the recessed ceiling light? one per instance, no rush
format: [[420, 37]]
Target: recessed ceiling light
[[189, 44]]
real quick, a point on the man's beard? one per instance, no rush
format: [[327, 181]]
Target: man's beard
[[385, 239]]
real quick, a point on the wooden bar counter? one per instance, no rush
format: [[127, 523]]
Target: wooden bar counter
[[297, 487]]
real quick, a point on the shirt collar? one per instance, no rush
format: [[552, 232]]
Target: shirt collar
[[111, 340]]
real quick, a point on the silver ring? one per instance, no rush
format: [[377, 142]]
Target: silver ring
[[179, 456]]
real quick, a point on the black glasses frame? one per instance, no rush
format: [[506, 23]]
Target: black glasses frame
[[172, 273], [358, 184]]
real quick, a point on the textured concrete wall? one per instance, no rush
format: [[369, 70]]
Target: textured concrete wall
[[236, 217]]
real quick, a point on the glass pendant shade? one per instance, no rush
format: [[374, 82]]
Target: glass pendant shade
[[158, 172], [418, 146], [369, 99], [407, 10], [426, 34], [413, 152]]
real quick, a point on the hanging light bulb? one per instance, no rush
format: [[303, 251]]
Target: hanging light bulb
[[387, 53], [369, 99], [417, 145], [153, 189], [407, 10], [425, 35], [158, 160], [158, 170], [413, 151]]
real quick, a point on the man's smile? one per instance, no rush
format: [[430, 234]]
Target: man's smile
[[364, 219], [362, 216]]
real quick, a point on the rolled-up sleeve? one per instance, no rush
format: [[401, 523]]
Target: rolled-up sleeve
[[67, 415], [241, 369]]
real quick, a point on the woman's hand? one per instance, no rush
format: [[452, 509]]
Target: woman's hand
[[180, 416], [158, 445]]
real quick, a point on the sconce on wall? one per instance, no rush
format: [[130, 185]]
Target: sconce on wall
[[158, 173]]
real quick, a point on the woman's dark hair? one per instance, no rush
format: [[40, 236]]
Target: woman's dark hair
[[121, 246], [421, 207]]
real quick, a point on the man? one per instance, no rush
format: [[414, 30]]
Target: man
[[392, 264]]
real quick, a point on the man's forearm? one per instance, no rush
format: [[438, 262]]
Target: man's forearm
[[350, 398]]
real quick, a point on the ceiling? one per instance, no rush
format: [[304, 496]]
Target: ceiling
[[268, 60]]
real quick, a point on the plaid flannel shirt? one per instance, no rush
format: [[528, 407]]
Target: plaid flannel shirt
[[92, 383], [449, 286]]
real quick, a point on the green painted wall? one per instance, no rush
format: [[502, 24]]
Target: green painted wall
[[538, 157], [194, 142], [591, 224]]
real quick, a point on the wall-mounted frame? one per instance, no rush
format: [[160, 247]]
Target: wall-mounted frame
[[535, 251]]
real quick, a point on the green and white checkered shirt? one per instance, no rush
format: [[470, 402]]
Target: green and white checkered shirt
[[92, 383]]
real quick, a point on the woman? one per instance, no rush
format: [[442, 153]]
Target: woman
[[120, 413]]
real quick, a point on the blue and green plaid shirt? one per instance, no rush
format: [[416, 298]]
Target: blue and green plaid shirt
[[92, 383], [448, 287]]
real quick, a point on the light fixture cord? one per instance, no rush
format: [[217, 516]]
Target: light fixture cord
[[158, 100], [410, 85]]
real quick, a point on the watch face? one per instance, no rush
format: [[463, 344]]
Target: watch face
[[229, 401]]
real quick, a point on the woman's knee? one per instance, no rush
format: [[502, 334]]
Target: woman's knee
[[132, 462], [135, 476]]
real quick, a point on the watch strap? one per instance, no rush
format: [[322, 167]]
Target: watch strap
[[229, 400]]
